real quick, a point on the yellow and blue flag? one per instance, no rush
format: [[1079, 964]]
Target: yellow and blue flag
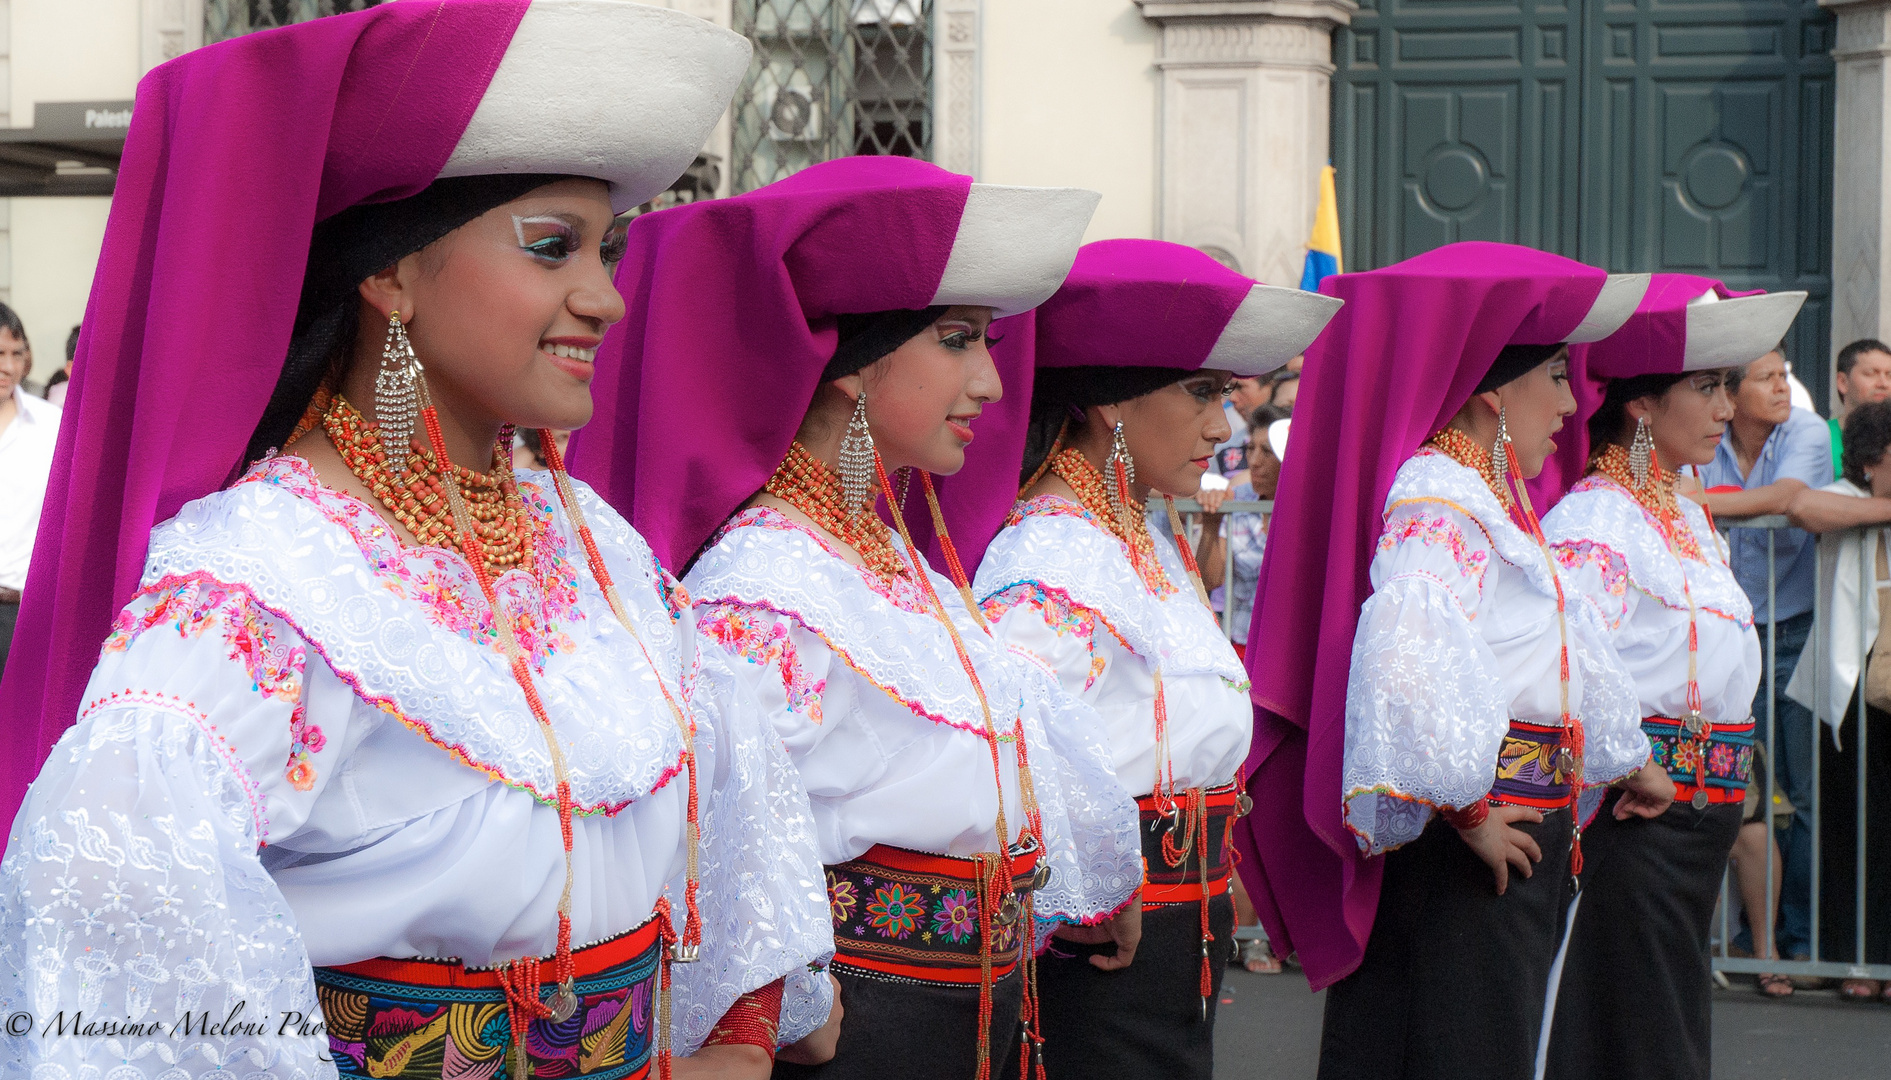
[[1323, 259]]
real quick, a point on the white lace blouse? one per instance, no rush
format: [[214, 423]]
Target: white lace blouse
[[1062, 593], [1459, 637], [302, 746], [1611, 548], [865, 687]]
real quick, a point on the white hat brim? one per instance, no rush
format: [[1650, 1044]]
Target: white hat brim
[[1727, 333], [1621, 295], [1272, 326], [625, 93], [1015, 246]]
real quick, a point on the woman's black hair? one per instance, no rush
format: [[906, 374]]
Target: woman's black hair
[[1867, 434], [1059, 395], [1609, 423]]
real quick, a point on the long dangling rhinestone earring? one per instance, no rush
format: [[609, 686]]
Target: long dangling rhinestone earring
[[1500, 450], [1641, 453], [856, 459], [397, 394], [1122, 466]]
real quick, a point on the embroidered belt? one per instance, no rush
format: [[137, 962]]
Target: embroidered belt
[[907, 915], [436, 1018], [1711, 764], [1182, 882], [1530, 772]]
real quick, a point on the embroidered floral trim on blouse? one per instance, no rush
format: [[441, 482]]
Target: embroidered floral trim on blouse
[[440, 580], [1064, 616], [738, 630], [1437, 529]]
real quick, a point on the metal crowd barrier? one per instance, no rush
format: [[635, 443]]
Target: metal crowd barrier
[[1856, 966]]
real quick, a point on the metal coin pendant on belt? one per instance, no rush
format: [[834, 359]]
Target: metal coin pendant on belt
[[1693, 725], [564, 1003], [1041, 878], [1243, 804], [685, 954], [1699, 800], [1009, 910], [1563, 761]]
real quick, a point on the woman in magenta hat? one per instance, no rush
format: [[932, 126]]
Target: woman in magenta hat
[[1635, 999], [1133, 355], [962, 804], [1438, 709], [388, 763]]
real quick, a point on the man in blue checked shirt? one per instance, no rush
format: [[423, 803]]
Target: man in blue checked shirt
[[1771, 453]]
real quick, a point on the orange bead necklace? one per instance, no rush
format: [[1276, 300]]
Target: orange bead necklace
[[804, 482], [419, 500]]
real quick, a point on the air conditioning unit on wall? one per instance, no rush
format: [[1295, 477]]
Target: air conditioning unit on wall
[[795, 112]]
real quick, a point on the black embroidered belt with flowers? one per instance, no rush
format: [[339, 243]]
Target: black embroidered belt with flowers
[[909, 915], [436, 1018], [1714, 769]]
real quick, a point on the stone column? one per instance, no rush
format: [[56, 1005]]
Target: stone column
[[1861, 215], [1243, 129]]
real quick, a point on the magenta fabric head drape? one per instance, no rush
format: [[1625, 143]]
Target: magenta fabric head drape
[[235, 151], [1654, 340], [1126, 303], [1393, 367], [730, 319], [1139, 303]]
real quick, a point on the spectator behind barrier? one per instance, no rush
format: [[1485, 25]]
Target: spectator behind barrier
[[1773, 452], [1861, 497], [57, 385], [1862, 375], [28, 429], [1246, 532]]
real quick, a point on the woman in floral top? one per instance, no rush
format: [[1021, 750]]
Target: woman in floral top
[[389, 764], [962, 805], [1133, 356], [1652, 564]]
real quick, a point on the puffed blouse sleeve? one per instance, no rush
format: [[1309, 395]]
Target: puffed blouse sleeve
[[1425, 711], [1049, 631], [132, 892]]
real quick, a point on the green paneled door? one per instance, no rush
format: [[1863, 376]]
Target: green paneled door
[[1644, 135]]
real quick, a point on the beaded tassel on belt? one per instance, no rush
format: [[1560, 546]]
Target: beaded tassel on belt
[[996, 872], [1657, 496], [1463, 449], [520, 979]]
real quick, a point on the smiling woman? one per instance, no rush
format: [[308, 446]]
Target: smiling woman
[[381, 729], [962, 804]]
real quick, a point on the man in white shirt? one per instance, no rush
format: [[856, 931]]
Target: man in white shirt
[[28, 429]]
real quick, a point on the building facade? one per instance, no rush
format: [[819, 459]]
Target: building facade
[[1742, 139]]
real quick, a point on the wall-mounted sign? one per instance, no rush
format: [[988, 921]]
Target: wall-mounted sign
[[58, 121]]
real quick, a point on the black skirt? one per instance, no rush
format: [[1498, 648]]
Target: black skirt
[[1144, 1021], [915, 1030], [1454, 977], [1636, 998]]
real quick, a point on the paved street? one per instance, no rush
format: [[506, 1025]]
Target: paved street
[[1271, 1031]]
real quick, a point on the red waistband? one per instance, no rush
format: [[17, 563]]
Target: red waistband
[[1224, 797], [424, 971], [1222, 805]]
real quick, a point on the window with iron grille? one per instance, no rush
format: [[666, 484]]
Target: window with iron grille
[[831, 78], [224, 19]]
